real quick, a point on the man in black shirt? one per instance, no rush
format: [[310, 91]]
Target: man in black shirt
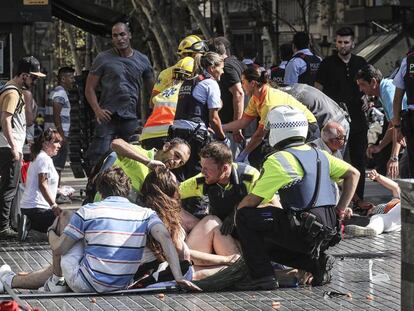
[[232, 94], [336, 78]]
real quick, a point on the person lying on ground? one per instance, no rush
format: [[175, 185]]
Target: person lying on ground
[[98, 236], [205, 245], [385, 217]]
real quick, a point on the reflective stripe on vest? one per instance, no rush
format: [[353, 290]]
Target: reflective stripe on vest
[[160, 120], [222, 202], [298, 195]]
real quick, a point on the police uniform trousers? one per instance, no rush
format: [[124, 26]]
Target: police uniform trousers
[[266, 235]]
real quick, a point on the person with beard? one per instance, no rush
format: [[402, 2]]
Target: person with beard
[[119, 72], [336, 78], [13, 134], [136, 161]]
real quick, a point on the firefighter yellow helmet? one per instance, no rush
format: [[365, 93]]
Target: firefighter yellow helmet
[[192, 44], [183, 68]]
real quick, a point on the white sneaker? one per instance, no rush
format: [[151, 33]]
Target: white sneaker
[[5, 273], [55, 284]]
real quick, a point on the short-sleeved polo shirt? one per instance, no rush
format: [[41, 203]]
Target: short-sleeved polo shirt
[[274, 176], [271, 98], [134, 169]]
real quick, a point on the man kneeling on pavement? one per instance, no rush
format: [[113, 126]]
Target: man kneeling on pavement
[[88, 246], [299, 234]]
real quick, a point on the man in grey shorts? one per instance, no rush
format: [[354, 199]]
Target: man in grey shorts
[[120, 73]]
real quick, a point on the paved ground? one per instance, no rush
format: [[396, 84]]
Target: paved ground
[[368, 269]]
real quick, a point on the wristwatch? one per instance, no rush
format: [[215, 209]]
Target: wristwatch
[[394, 159]]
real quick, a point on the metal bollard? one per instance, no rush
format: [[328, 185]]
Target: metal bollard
[[407, 237]]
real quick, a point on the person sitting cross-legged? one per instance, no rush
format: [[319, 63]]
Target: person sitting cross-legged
[[97, 238]]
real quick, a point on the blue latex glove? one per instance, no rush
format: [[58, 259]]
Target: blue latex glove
[[242, 156]]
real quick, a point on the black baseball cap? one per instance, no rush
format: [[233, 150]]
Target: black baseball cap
[[31, 65]]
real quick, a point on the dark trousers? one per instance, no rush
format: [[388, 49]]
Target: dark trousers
[[104, 134], [9, 179], [357, 147], [410, 153], [266, 234]]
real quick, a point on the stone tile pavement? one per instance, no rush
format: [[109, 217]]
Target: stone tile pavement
[[367, 268]]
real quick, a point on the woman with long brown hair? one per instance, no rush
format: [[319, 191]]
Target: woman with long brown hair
[[161, 193]]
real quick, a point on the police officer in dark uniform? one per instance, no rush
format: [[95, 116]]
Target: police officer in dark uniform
[[303, 66], [277, 73], [298, 234], [403, 121], [197, 108]]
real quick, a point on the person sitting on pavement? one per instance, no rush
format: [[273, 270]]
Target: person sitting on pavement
[[136, 161], [224, 182], [263, 99], [96, 238], [332, 140], [209, 250], [302, 176], [198, 108], [386, 217], [38, 206], [155, 131]]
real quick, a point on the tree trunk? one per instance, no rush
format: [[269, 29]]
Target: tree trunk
[[225, 19], [71, 41], [88, 50], [198, 17], [268, 31], [166, 29], [159, 35]]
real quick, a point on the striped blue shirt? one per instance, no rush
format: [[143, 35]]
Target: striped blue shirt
[[115, 233], [60, 96]]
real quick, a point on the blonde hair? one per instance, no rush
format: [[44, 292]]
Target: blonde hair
[[209, 59]]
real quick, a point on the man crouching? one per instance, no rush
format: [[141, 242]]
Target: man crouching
[[102, 245]]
